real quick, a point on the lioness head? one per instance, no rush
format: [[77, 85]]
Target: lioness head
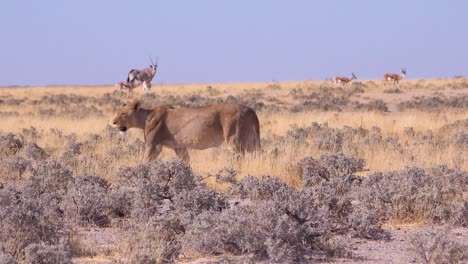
[[128, 116]]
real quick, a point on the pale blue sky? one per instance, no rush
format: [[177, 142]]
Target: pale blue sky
[[98, 41]]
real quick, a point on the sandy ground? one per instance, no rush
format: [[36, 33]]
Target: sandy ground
[[396, 250]]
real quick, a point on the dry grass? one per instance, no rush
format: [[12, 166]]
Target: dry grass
[[273, 124]]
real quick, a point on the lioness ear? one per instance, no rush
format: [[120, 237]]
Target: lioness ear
[[135, 105]]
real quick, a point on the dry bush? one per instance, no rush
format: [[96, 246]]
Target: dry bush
[[33, 152], [158, 183], [85, 203], [9, 144], [28, 217], [322, 102], [46, 254], [413, 194], [393, 91], [268, 220], [272, 220], [31, 210], [460, 215], [436, 246], [151, 242], [332, 184], [321, 136], [226, 175], [373, 105], [261, 229], [7, 259], [14, 167], [435, 103]]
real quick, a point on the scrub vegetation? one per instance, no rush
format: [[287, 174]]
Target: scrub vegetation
[[339, 168]]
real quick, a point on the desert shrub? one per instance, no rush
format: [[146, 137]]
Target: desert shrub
[[189, 203], [31, 134], [298, 134], [266, 188], [9, 144], [328, 167], [323, 102], [436, 246], [50, 176], [356, 88], [267, 220], [414, 193], [70, 152], [60, 99], [435, 103], [392, 91], [460, 217], [47, 112], [226, 175], [14, 167], [7, 259], [330, 141], [260, 229], [160, 186], [162, 198], [28, 217], [120, 200], [321, 136], [86, 201], [273, 86], [109, 101], [34, 152], [373, 105], [47, 254], [331, 183], [455, 127], [152, 242]]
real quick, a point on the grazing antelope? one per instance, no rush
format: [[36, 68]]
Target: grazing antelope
[[144, 76], [344, 80], [394, 78], [125, 86]]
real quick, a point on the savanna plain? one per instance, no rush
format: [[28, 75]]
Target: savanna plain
[[367, 173]]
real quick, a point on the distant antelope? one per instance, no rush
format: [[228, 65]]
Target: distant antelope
[[344, 80], [394, 78], [144, 76], [125, 86]]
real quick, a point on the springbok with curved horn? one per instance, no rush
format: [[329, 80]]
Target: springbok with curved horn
[[144, 76], [394, 78], [343, 80]]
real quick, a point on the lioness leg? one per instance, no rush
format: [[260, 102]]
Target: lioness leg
[[152, 152], [182, 153]]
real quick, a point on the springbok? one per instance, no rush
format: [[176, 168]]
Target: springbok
[[343, 80], [144, 76], [125, 86], [394, 78]]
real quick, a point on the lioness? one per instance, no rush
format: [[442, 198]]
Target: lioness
[[196, 128]]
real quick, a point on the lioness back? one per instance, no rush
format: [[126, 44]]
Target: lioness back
[[211, 125]]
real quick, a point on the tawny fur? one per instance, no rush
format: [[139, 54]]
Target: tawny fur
[[192, 128], [121, 86], [143, 77], [394, 78], [343, 80]]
